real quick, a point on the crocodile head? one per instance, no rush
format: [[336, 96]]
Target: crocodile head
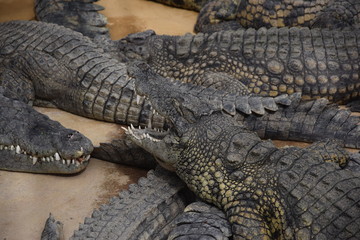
[[185, 112], [135, 46], [31, 142], [167, 100]]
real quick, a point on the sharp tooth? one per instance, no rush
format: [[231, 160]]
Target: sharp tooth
[[52, 159], [57, 156], [77, 163], [125, 129], [34, 160], [132, 127], [47, 159], [63, 161], [137, 99], [5, 147], [68, 162], [1, 147], [43, 159], [153, 111], [87, 158], [12, 147], [73, 161], [17, 149]]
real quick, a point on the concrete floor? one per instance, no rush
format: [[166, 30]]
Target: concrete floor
[[26, 199]]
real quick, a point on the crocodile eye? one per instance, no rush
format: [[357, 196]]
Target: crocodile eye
[[71, 135]]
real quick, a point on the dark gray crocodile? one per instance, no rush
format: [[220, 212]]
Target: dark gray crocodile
[[316, 62], [269, 62], [266, 192], [31, 142], [233, 14], [50, 65], [146, 210]]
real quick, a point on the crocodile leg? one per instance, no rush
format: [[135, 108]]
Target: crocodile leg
[[339, 14], [201, 221]]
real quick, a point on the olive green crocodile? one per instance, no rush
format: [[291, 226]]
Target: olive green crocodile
[[233, 14], [316, 62], [265, 191]]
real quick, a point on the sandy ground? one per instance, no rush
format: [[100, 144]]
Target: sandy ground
[[27, 199]]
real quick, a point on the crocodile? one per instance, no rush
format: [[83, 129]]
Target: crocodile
[[265, 192], [270, 62], [316, 62], [49, 65], [31, 142], [235, 14]]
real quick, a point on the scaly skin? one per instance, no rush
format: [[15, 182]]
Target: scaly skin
[[49, 65], [145, 211], [55, 66], [31, 142], [233, 14], [299, 121], [266, 192], [269, 62]]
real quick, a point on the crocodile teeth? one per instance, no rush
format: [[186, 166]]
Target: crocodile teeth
[[68, 162], [137, 99], [87, 158], [12, 147], [63, 161], [57, 157], [72, 161], [34, 160], [17, 149]]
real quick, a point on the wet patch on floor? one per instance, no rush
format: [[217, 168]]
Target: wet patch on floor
[[116, 180]]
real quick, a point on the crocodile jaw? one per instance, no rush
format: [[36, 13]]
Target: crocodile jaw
[[23, 161], [164, 145]]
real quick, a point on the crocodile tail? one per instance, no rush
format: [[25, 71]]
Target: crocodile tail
[[79, 15], [308, 121], [145, 211]]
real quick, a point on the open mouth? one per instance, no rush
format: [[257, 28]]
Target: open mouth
[[139, 133], [56, 157]]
